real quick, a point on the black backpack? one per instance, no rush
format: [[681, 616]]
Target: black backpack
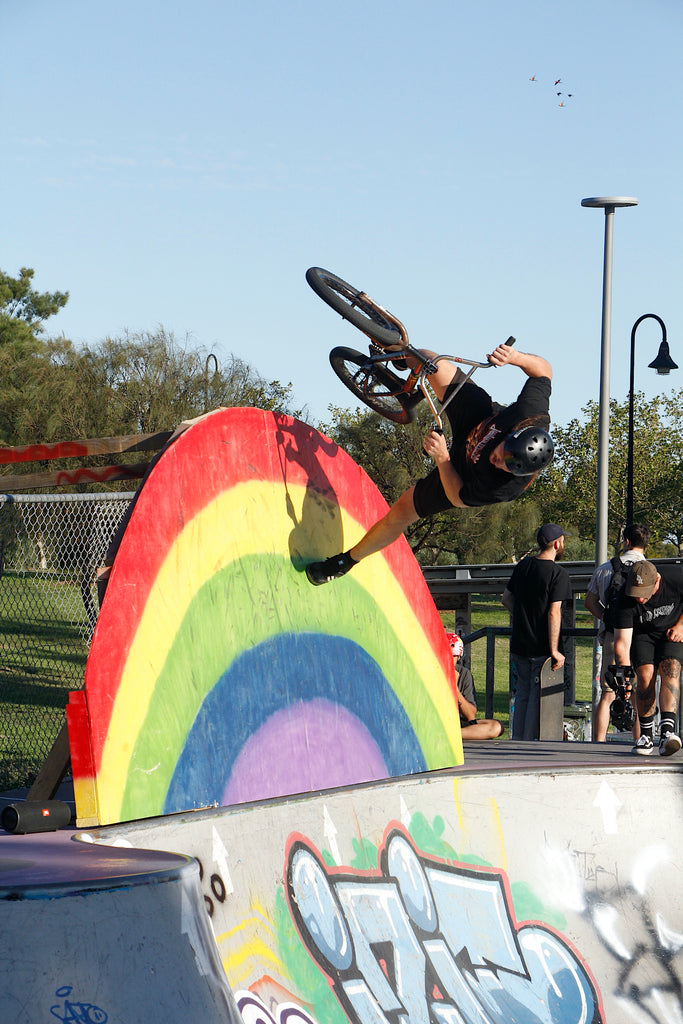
[[616, 585]]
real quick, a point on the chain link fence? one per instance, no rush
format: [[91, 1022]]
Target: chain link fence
[[50, 546]]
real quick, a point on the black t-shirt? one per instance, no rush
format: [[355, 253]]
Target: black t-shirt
[[658, 614], [466, 688], [478, 425], [535, 584]]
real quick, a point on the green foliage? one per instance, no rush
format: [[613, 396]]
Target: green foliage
[[19, 301], [138, 383], [566, 493], [23, 312]]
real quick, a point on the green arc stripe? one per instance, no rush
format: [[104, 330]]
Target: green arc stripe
[[255, 598]]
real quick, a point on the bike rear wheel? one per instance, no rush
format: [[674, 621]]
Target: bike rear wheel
[[375, 385], [355, 306]]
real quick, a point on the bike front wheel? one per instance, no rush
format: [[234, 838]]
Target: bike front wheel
[[375, 385], [355, 306]]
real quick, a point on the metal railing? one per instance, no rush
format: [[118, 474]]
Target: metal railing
[[490, 633]]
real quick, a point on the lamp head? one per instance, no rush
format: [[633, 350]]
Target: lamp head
[[663, 363]]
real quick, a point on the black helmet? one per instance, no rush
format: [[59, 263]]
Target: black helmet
[[527, 451]]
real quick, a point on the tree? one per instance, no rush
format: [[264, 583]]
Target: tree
[[23, 311], [566, 492], [139, 383]]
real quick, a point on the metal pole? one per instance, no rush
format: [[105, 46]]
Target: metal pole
[[663, 364], [609, 205], [629, 450], [602, 498]]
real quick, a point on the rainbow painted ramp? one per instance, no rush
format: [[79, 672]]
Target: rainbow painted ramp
[[217, 674]]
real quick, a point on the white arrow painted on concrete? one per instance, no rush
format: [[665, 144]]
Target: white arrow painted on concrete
[[330, 830], [607, 803], [220, 859]]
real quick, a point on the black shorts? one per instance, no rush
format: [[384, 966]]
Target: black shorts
[[429, 496], [651, 650]]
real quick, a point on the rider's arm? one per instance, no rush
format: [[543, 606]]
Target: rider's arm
[[435, 446], [531, 365]]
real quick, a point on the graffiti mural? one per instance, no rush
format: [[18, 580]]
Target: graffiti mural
[[446, 900], [636, 923], [422, 940]]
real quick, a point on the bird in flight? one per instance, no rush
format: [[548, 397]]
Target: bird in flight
[[558, 92]]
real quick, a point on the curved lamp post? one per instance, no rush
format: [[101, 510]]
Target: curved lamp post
[[206, 378], [662, 363], [609, 204]]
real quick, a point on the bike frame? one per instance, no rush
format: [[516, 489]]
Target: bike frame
[[417, 379]]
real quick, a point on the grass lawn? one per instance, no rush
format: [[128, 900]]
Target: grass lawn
[[43, 648], [488, 611]]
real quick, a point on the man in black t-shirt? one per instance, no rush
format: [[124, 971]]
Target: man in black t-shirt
[[648, 623], [534, 596], [496, 453]]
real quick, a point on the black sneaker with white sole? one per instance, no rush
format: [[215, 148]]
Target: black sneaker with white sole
[[669, 744], [644, 746], [331, 569]]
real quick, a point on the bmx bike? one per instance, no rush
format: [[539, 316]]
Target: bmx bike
[[373, 378]]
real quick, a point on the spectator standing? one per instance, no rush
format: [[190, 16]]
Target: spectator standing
[[648, 630], [603, 589], [534, 596]]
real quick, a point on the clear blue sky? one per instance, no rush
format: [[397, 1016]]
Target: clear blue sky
[[183, 164]]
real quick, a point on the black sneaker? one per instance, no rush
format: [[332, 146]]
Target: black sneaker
[[331, 569], [643, 746], [669, 744]]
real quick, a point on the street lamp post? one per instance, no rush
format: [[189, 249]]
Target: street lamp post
[[210, 357], [662, 363], [609, 204]]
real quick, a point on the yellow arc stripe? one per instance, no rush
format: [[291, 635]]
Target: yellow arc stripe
[[203, 548]]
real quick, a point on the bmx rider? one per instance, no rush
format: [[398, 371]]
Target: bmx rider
[[495, 455]]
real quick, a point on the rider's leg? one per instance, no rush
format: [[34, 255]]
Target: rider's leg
[[387, 529], [445, 371]]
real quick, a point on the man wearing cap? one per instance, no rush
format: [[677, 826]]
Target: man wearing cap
[[534, 596], [600, 601], [471, 728], [648, 629]]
